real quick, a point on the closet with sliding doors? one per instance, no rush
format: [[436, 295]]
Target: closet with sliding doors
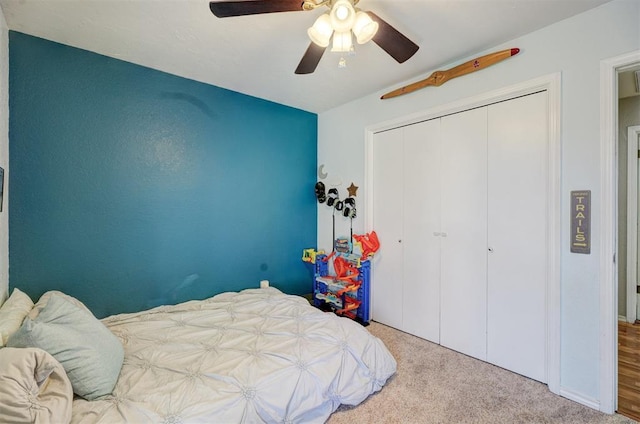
[[460, 207]]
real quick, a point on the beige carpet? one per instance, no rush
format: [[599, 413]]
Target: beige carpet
[[437, 385]]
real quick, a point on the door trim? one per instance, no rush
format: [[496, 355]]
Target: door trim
[[609, 69], [632, 221], [552, 84]]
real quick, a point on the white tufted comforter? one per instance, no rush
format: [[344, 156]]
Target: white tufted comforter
[[249, 357]]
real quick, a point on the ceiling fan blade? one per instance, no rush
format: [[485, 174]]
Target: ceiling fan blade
[[225, 9], [310, 60], [392, 41]]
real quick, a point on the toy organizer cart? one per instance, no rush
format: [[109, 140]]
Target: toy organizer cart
[[348, 297]]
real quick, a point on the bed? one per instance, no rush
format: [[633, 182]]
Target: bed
[[253, 356]]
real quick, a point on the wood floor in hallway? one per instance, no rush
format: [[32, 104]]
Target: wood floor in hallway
[[629, 370]]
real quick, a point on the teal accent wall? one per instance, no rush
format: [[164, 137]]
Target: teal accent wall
[[132, 187]]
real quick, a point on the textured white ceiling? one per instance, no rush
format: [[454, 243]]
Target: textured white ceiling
[[257, 54]]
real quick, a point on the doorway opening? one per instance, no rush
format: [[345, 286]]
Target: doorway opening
[[628, 159], [611, 190], [628, 238]]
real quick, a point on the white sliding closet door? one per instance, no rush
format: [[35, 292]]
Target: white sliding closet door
[[517, 235], [421, 240], [387, 288], [463, 299]]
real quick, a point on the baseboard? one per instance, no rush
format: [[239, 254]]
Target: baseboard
[[580, 398], [622, 318]]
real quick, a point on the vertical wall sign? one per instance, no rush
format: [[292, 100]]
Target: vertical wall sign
[[581, 221], [1, 187]]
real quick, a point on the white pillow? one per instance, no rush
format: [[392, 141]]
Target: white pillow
[[34, 388], [12, 313], [89, 352]]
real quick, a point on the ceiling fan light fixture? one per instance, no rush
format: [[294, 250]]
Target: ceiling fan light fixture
[[364, 28], [339, 19], [342, 42], [321, 31], [342, 15]]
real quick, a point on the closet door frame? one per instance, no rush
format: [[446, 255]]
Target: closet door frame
[[552, 84]]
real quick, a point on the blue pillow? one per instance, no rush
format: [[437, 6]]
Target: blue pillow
[[90, 354]]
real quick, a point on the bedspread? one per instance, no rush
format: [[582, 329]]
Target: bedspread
[[248, 357]]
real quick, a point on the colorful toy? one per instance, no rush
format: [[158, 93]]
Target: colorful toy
[[341, 295], [344, 269], [309, 255], [349, 305], [329, 298], [369, 244], [343, 245], [347, 292]]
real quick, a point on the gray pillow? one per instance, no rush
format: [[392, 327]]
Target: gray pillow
[[90, 354]]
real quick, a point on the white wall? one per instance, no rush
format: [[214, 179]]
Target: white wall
[[4, 156], [573, 47]]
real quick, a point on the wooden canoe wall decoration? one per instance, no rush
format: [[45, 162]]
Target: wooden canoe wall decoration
[[440, 77]]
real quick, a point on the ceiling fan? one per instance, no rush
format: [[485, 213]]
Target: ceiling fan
[[340, 25]]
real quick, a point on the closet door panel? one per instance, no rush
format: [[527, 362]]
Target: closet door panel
[[464, 221], [517, 235], [421, 218], [386, 286]]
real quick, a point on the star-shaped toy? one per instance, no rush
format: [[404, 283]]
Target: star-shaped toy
[[352, 190]]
